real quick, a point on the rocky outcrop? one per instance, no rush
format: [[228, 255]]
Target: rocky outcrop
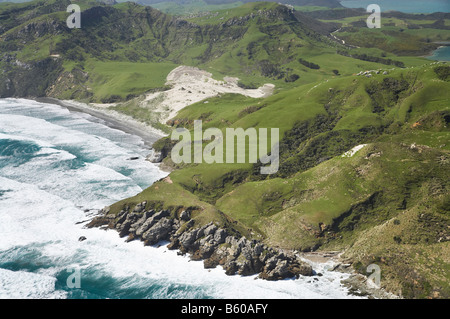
[[25, 79], [210, 243], [360, 285]]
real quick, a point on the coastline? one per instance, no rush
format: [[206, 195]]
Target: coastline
[[216, 247], [356, 283], [431, 53], [112, 119]]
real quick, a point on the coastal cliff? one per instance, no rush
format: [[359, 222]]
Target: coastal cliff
[[210, 243]]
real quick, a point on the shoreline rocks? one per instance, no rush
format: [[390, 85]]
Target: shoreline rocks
[[214, 245]]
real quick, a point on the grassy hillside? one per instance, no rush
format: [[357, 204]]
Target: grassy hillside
[[256, 42], [188, 7], [390, 200], [387, 204], [228, 47]]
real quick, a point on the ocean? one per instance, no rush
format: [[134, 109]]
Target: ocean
[[57, 169], [441, 54], [407, 6]]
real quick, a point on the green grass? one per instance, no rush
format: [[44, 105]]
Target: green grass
[[124, 78], [387, 203], [121, 69], [309, 8], [338, 193], [225, 14], [192, 7]]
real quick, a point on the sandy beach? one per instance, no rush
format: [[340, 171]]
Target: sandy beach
[[111, 118]]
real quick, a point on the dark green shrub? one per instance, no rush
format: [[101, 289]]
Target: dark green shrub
[[442, 72]]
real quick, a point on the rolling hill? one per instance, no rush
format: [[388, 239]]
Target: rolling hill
[[385, 202]]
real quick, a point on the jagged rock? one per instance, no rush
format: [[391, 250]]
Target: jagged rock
[[345, 268], [130, 219], [208, 240], [218, 257], [220, 236], [207, 246], [211, 262], [139, 208], [282, 266], [270, 264], [300, 268], [230, 268], [210, 243], [151, 221], [210, 230], [160, 231], [145, 216], [155, 157], [121, 217], [131, 237], [244, 267], [100, 221], [176, 225], [248, 261], [185, 215], [187, 239], [174, 244], [276, 270], [161, 214]]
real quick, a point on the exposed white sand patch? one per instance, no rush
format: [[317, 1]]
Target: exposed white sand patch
[[353, 150], [191, 85]]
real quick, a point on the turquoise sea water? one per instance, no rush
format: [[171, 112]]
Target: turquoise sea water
[[441, 54], [57, 168], [408, 6]]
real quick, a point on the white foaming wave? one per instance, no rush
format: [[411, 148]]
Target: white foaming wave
[[93, 142], [91, 186], [33, 108], [95, 147], [56, 155], [25, 285], [109, 254], [38, 142], [42, 130], [48, 219], [128, 260], [62, 116], [45, 147], [31, 215], [109, 161]]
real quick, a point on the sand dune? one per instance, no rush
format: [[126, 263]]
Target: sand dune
[[191, 85]]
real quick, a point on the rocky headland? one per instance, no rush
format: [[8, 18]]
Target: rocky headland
[[212, 244]]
